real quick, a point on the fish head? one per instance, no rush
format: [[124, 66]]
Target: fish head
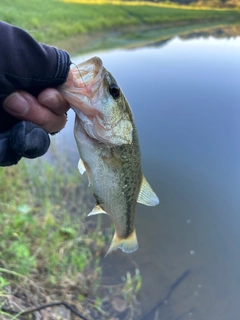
[[99, 103]]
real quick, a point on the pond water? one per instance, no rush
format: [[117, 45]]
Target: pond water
[[185, 96]]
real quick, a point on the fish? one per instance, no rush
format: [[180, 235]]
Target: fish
[[108, 145]]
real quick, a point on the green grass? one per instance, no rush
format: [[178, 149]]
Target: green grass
[[47, 249], [35, 221], [51, 21]]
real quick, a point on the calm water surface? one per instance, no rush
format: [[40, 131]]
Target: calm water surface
[[185, 97]]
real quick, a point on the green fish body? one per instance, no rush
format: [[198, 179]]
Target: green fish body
[[109, 150]]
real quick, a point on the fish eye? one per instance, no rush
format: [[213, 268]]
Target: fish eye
[[114, 90]]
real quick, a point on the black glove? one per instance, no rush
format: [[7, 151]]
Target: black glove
[[24, 139]]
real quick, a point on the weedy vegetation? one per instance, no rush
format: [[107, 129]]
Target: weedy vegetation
[[49, 252]]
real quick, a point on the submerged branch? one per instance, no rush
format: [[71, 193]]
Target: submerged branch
[[44, 306], [150, 314]]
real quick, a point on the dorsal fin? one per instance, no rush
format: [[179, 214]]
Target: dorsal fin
[[146, 195], [96, 210]]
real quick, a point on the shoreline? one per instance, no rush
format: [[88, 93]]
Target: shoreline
[[133, 36], [67, 23]]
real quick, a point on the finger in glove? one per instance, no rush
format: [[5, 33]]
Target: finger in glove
[[25, 139]]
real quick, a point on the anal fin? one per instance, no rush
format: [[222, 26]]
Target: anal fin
[[146, 195]]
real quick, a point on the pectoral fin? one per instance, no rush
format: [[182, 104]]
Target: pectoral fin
[[81, 166], [146, 195], [96, 210]]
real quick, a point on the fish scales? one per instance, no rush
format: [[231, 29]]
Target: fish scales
[[107, 141], [128, 176], [115, 176]]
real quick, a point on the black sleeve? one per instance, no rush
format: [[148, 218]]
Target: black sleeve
[[28, 65]]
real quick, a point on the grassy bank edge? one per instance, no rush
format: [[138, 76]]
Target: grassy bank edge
[[166, 4], [56, 21], [136, 37], [49, 251]]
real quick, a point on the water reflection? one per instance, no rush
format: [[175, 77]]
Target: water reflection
[[186, 100]]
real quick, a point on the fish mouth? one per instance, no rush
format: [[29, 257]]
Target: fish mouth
[[89, 74]]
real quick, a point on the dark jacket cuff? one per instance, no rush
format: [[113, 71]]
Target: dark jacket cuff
[[63, 65]]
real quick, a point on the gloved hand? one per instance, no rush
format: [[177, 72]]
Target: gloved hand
[[21, 114], [24, 139]]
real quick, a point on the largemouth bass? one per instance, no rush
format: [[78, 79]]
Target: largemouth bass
[[107, 141]]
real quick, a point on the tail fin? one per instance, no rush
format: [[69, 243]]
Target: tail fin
[[127, 245]]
